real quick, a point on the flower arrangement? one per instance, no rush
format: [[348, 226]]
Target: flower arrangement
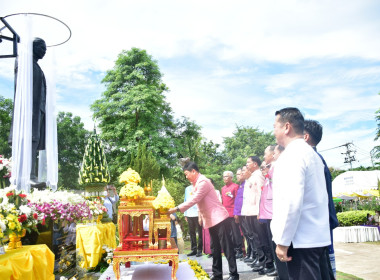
[[107, 257], [163, 200], [131, 189], [66, 260], [5, 167], [16, 213], [130, 176], [96, 207], [5, 170], [60, 206]]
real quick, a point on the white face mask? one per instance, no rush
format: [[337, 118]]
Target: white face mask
[[105, 193]]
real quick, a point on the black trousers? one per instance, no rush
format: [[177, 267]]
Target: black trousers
[[281, 267], [193, 228], [236, 235], [262, 231], [220, 238], [305, 263], [244, 222]]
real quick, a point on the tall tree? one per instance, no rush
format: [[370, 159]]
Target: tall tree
[[72, 137], [246, 141], [188, 139], [6, 109], [133, 109], [145, 164]]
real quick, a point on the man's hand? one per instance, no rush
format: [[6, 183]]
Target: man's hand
[[185, 218], [236, 217], [172, 210], [282, 253], [200, 220]]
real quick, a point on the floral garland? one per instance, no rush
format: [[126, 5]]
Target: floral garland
[[198, 270]]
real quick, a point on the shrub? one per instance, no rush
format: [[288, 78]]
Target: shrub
[[353, 218]]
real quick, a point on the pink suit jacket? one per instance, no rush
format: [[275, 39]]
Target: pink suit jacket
[[210, 208]]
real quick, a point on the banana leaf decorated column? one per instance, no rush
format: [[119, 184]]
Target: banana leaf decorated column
[[94, 174]]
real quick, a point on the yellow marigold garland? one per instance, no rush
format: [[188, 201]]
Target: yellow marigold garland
[[198, 270]]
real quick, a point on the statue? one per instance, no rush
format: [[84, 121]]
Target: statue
[[39, 108]]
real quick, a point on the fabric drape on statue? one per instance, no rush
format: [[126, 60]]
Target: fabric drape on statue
[[48, 159], [22, 118]]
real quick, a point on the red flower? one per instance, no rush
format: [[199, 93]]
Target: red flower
[[22, 218], [35, 216], [10, 194], [43, 222], [22, 195]]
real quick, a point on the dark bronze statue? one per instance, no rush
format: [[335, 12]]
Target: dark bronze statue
[[39, 106]]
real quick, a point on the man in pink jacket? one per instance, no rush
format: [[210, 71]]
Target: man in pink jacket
[[213, 216]]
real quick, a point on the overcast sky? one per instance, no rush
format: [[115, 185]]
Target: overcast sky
[[226, 63]]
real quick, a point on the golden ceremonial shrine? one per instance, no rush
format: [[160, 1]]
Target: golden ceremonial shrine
[[144, 226]]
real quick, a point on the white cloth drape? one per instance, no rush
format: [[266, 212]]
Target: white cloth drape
[[356, 234], [22, 118]]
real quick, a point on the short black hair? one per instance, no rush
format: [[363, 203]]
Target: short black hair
[[293, 116], [315, 131], [256, 159], [190, 166]]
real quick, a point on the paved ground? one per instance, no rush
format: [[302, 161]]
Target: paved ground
[[359, 259]]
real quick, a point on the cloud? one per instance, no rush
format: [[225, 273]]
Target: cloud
[[226, 63]]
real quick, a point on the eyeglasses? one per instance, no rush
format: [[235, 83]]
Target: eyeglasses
[[265, 166]]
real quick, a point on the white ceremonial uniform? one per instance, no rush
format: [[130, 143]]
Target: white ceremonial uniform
[[300, 201], [252, 193]]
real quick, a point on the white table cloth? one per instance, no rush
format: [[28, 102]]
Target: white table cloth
[[356, 234]]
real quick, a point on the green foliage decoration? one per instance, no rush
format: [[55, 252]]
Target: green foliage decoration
[[94, 169], [353, 218]]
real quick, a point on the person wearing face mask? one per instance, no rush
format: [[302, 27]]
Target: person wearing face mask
[[110, 199]]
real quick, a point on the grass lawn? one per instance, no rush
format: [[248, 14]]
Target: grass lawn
[[346, 276]]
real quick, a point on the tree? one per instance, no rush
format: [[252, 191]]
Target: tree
[[146, 165], [246, 141], [72, 137], [133, 109], [6, 109], [188, 139]]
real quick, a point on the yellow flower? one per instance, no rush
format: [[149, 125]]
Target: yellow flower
[[130, 176], [11, 225], [109, 261], [163, 200], [132, 190]]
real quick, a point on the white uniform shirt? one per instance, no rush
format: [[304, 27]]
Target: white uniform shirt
[[252, 193], [300, 202]]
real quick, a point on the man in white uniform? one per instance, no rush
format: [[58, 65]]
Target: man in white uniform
[[300, 224]]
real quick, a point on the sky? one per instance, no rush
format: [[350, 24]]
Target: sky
[[226, 63]]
